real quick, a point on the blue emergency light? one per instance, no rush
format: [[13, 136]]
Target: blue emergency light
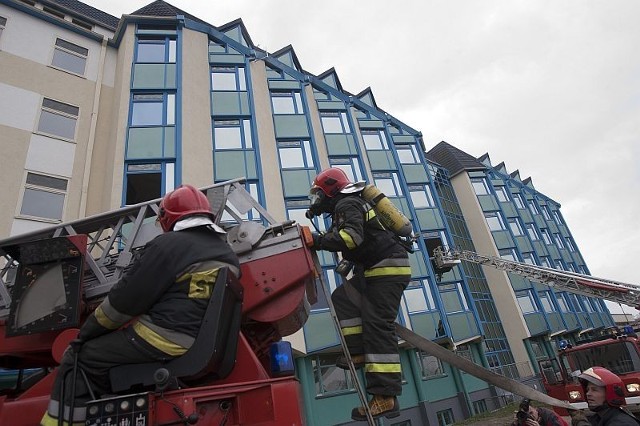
[[281, 359], [627, 329], [563, 344]]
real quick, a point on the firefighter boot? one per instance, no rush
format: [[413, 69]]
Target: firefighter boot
[[358, 362], [380, 405]]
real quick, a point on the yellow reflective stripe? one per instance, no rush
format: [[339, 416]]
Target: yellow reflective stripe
[[389, 270], [370, 214], [347, 331], [157, 341], [382, 368], [104, 320], [47, 420], [201, 284], [347, 239]]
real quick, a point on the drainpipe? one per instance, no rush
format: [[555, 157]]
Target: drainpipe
[[82, 210], [459, 382]]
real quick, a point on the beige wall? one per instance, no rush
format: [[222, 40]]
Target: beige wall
[[197, 139], [503, 296], [272, 181]]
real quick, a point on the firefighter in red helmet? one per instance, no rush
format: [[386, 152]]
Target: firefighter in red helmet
[[367, 303], [604, 392], [164, 295]]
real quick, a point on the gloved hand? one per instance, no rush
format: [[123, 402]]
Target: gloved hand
[[317, 241], [578, 418]]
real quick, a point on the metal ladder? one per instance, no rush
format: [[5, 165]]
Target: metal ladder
[[352, 369]]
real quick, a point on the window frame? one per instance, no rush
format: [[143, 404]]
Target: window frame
[[381, 145], [306, 153], [48, 189], [480, 186], [169, 44], [51, 110], [489, 219], [421, 188], [295, 96], [239, 77], [501, 193], [68, 50], [3, 25], [438, 372], [342, 118], [526, 295]]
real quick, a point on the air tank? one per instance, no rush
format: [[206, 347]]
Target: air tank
[[389, 215]]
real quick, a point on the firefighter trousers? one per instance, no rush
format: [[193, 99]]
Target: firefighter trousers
[[368, 327], [95, 358]]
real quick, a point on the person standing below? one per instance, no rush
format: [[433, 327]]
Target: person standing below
[[367, 304], [539, 416], [168, 289], [604, 392]]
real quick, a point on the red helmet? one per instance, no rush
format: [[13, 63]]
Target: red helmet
[[600, 376], [184, 201], [331, 181]]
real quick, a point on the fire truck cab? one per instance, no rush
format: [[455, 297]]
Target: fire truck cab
[[618, 352]]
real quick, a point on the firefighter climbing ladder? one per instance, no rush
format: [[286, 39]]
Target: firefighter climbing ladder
[[615, 291]]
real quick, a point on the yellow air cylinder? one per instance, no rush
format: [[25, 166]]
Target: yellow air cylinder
[[389, 215]]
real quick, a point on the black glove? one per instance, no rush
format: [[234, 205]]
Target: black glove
[[317, 241]]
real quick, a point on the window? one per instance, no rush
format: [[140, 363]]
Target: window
[[532, 232], [83, 24], [480, 186], [328, 378], [232, 134], [545, 300], [388, 183], [335, 122], [58, 119], [350, 165], [544, 261], [501, 193], [525, 301], [494, 221], [545, 236], [480, 406], [161, 50], [408, 154], [144, 182], [374, 139], [228, 78], [287, 103], [445, 417], [69, 57], [430, 365], [515, 227], [3, 24], [453, 298], [418, 297], [295, 154], [533, 206], [53, 12], [562, 303], [556, 217], [43, 196], [508, 254], [545, 212], [558, 239], [517, 198], [528, 258], [421, 196], [570, 244], [153, 109]]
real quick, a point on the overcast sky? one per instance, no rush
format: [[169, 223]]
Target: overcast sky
[[552, 88]]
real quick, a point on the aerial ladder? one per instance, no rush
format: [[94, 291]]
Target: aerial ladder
[[447, 257]]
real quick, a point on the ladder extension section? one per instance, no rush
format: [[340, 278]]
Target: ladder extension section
[[587, 285]]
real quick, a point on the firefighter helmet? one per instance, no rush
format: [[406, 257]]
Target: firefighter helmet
[[331, 181], [183, 202], [600, 376]]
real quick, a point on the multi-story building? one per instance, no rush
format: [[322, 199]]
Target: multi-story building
[[98, 112]]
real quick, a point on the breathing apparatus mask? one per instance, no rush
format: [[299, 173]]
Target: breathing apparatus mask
[[320, 203]]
